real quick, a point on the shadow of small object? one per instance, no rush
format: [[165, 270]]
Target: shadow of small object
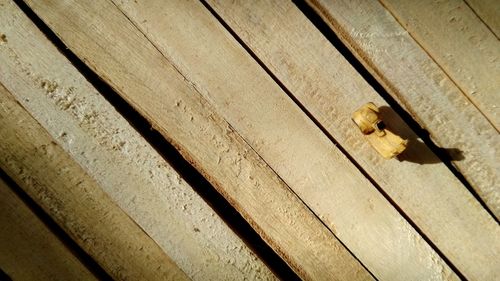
[[417, 151], [453, 154]]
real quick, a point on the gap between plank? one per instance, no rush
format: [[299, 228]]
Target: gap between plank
[[370, 79], [75, 249], [477, 15], [288, 93], [424, 135], [232, 128], [168, 152], [4, 276], [438, 65]]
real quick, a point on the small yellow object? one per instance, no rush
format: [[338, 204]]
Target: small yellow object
[[384, 141]]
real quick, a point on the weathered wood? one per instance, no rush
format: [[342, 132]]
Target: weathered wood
[[460, 43], [489, 12], [100, 34], [28, 248], [74, 200], [210, 59], [421, 87], [330, 89], [104, 144]]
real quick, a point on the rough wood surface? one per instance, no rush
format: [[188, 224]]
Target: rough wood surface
[[421, 87], [74, 200], [28, 248], [210, 59], [330, 89], [87, 127], [452, 34], [489, 12], [101, 35]]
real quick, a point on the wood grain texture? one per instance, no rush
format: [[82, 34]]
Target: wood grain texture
[[74, 200], [330, 89], [104, 38], [489, 12], [452, 34], [413, 79], [90, 130], [209, 58], [28, 248]]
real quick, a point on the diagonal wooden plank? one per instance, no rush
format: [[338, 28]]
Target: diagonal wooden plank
[[100, 34], [251, 99], [489, 12], [412, 78], [89, 129], [460, 43], [28, 248], [62, 188], [330, 89]]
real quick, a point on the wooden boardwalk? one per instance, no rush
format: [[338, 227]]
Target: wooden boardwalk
[[213, 140]]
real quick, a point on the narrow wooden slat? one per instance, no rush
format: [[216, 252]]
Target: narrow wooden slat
[[412, 78], [28, 248], [460, 43], [330, 89], [489, 12], [255, 106], [98, 32], [62, 188], [128, 169]]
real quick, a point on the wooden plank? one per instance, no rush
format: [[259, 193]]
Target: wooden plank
[[115, 49], [250, 104], [330, 89], [489, 12], [74, 200], [413, 79], [460, 43], [89, 129], [28, 248]]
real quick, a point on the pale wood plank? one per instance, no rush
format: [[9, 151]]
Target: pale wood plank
[[100, 140], [74, 200], [98, 32], [254, 105], [330, 89], [28, 248], [421, 87], [460, 43], [489, 12]]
